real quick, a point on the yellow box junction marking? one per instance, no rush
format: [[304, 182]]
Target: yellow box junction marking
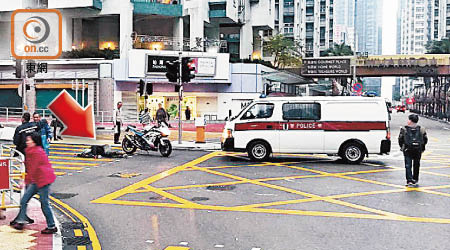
[[145, 186], [176, 248]]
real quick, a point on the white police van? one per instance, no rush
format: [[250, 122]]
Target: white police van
[[349, 126]]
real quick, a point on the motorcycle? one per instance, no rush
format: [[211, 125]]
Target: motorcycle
[[151, 138]]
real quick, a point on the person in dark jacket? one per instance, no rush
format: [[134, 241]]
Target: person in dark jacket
[[22, 131], [45, 130], [55, 124], [412, 154], [187, 112], [161, 115]]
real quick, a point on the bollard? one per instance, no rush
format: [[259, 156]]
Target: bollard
[[200, 129]]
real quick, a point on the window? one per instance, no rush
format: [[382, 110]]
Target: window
[[259, 111], [301, 111]]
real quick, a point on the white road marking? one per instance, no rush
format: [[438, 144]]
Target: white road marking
[[219, 246], [184, 243]]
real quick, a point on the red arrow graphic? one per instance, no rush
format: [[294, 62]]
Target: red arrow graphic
[[78, 122]]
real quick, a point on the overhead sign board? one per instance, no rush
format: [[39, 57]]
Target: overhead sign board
[[4, 174], [326, 67], [158, 63]]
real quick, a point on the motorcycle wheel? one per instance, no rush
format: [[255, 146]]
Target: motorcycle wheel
[[128, 147], [165, 150]]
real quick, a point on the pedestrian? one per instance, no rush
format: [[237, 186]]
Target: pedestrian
[[22, 131], [187, 112], [412, 141], [117, 123], [45, 130], [39, 178], [144, 117], [161, 115], [55, 124]]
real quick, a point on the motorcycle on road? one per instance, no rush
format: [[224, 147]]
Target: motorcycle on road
[[151, 138]]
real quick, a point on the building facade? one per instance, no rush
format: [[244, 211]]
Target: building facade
[[441, 19], [368, 35], [415, 23], [134, 39]]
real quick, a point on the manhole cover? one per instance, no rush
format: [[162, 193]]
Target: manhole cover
[[72, 225], [62, 196], [76, 241], [221, 187], [159, 197], [199, 199]]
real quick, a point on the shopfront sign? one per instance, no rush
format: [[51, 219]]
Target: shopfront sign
[[4, 174], [204, 66], [158, 63]]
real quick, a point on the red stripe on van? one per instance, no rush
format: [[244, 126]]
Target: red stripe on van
[[353, 126], [326, 126]]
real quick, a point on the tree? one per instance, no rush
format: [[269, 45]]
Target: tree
[[338, 50], [287, 52], [438, 47]]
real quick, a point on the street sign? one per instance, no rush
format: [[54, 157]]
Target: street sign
[[4, 175], [357, 87], [326, 67]]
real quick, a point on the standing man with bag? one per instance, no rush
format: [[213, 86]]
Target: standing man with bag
[[412, 141], [117, 123]]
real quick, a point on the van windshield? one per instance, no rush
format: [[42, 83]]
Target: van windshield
[[242, 110]]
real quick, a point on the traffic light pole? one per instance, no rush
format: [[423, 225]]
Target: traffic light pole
[[180, 96]]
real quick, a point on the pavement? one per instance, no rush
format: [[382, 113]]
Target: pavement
[[31, 237]]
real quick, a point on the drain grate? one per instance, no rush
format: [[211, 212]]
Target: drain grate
[[72, 225], [199, 199], [62, 196], [76, 241], [221, 187]]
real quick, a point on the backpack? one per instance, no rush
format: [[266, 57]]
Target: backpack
[[413, 139]]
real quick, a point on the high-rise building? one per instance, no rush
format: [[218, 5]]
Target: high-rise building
[[441, 19], [368, 35], [416, 25], [344, 22], [415, 30]]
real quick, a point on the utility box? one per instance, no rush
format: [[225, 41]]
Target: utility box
[[200, 125]]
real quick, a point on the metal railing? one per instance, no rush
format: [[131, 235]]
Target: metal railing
[[16, 177], [14, 114]]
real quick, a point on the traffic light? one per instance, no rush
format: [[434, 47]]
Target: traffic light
[[187, 69], [18, 68], [141, 87], [149, 88], [145, 88], [173, 71]]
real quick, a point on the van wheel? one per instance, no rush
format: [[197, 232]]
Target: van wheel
[[259, 151], [352, 153]]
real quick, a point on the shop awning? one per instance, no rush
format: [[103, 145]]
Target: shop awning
[[284, 77]]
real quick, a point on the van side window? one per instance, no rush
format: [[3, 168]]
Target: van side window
[[301, 111], [258, 111]]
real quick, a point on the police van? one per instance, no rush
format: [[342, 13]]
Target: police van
[[348, 126]]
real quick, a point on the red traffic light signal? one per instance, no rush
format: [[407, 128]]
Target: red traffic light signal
[[188, 69]]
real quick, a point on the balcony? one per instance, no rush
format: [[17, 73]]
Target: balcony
[[217, 13], [226, 12], [153, 7], [58, 4]]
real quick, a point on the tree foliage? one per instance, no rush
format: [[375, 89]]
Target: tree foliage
[[438, 47], [287, 52], [338, 50]]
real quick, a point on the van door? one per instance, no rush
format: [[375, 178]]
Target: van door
[[257, 122], [301, 130]]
